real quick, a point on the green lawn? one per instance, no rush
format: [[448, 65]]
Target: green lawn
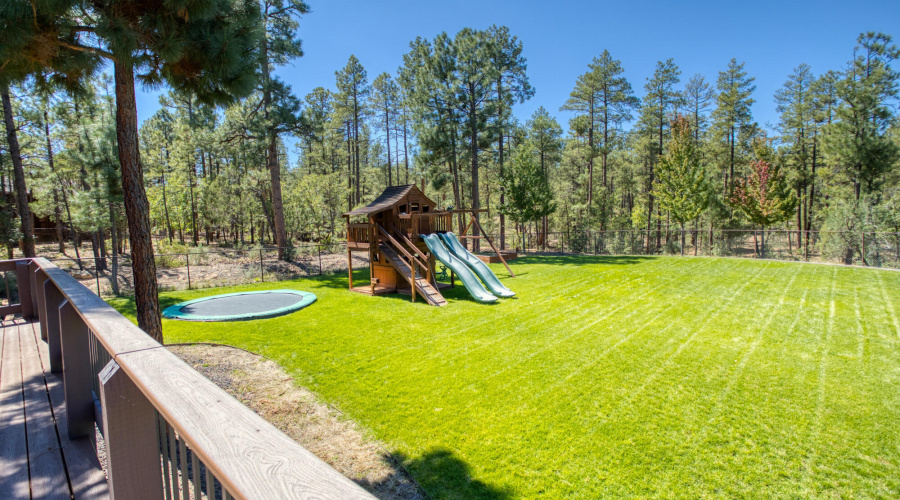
[[611, 377]]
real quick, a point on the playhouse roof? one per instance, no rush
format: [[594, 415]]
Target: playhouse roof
[[390, 197]]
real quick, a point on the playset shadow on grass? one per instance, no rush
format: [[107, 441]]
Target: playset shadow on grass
[[406, 234]]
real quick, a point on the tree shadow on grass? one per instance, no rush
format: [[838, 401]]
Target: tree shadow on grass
[[442, 474], [583, 260]]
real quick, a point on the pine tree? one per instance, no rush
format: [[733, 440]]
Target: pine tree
[[353, 100], [15, 153], [615, 103], [661, 100], [545, 134], [280, 107], [732, 121], [584, 100], [796, 103], [858, 140], [385, 94], [512, 86], [698, 96], [529, 197], [208, 49], [681, 185]]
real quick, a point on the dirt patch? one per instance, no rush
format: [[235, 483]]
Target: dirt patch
[[267, 389]]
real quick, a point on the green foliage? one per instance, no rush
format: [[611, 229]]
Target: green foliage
[[681, 185], [10, 234], [858, 140], [528, 195]]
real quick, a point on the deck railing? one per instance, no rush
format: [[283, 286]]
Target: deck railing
[[168, 431], [426, 223], [359, 233]]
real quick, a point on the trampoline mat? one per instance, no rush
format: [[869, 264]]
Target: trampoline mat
[[241, 306]]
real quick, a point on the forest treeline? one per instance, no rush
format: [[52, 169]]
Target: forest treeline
[[446, 120], [215, 162]]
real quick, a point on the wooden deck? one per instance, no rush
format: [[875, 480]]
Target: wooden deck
[[37, 460]]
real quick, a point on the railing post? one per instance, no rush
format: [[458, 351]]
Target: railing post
[[50, 323], [130, 432], [33, 289], [37, 291], [23, 280], [76, 372]]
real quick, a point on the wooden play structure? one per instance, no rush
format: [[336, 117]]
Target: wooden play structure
[[389, 229]]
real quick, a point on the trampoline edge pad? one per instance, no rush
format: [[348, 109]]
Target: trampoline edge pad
[[176, 312]]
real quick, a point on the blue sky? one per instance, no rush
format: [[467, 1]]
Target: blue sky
[[561, 37]]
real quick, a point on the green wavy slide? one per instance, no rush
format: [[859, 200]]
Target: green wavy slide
[[481, 269], [462, 271]]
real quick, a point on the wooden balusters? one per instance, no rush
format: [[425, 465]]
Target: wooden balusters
[[38, 286], [50, 301], [23, 279], [132, 448], [75, 337]]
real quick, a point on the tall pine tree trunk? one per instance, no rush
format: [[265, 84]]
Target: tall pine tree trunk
[[476, 199], [113, 230], [57, 214], [405, 147], [137, 208], [272, 157], [19, 174], [500, 149], [57, 218]]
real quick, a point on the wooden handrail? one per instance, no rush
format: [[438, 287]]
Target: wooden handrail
[[399, 247], [416, 251], [410, 244], [248, 455]]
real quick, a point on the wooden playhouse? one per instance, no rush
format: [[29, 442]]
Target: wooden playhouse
[[390, 230]]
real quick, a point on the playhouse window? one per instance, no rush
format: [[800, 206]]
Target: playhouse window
[[425, 208], [413, 207], [402, 209]]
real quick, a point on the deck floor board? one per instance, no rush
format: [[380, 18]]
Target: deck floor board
[[37, 460]]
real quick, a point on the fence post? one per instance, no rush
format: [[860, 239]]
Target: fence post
[[76, 372], [863, 233], [262, 272], [187, 260], [23, 280], [319, 250], [132, 442]]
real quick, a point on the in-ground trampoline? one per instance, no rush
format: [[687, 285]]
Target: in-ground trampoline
[[241, 306]]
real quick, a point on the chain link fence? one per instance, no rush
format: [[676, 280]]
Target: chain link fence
[[875, 249], [212, 267], [215, 267]]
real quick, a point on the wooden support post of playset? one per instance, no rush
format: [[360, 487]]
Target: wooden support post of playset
[[373, 244], [491, 243], [349, 266]]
